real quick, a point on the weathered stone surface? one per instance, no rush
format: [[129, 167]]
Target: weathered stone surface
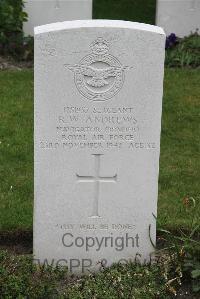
[[98, 100], [178, 16], [41, 12]]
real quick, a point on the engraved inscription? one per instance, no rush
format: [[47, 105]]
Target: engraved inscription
[[100, 226], [96, 179], [99, 76], [103, 128]]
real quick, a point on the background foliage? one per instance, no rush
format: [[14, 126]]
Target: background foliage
[[183, 52], [129, 10], [179, 52], [12, 41]]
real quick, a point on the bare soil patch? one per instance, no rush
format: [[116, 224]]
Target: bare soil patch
[[18, 242]]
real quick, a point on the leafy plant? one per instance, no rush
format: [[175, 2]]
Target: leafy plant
[[19, 278], [12, 41], [183, 52], [183, 249], [171, 41], [192, 266]]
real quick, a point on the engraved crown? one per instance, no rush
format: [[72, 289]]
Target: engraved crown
[[100, 46]]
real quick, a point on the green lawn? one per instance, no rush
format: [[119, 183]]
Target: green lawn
[[16, 149], [180, 144], [130, 10], [179, 163]]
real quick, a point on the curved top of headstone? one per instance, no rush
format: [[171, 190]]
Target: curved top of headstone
[[97, 23]]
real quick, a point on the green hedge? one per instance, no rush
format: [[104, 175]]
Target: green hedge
[[12, 16], [130, 10]]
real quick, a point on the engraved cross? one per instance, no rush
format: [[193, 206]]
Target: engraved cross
[[96, 179]]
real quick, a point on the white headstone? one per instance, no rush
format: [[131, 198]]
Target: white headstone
[[98, 101], [178, 16], [41, 12]]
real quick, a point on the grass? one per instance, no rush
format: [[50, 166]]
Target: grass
[[16, 150], [130, 10], [179, 160]]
